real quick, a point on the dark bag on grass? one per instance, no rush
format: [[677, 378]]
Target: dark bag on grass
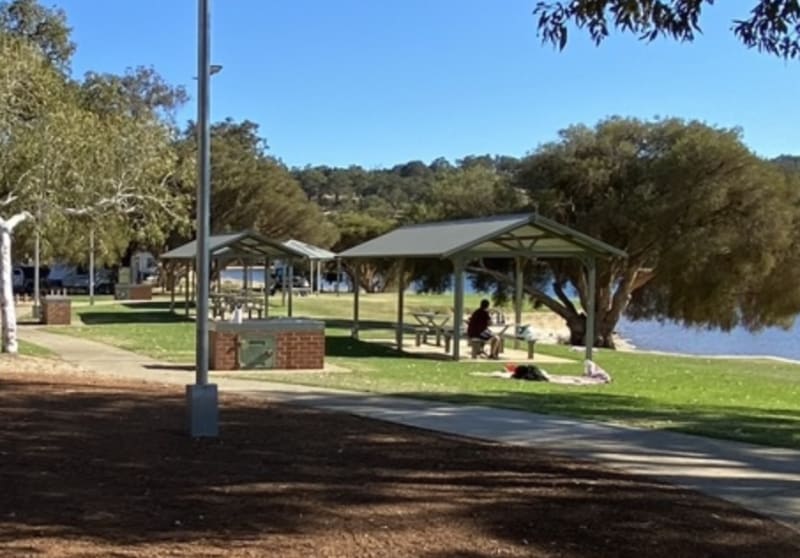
[[529, 372]]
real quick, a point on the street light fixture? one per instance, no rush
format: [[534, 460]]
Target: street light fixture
[[201, 397]]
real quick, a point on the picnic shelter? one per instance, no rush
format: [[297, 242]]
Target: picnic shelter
[[520, 237], [248, 248]]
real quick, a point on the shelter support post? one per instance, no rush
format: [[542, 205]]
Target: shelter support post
[[338, 274], [171, 288], [401, 287], [291, 288], [458, 318], [186, 288], [591, 268], [283, 284], [354, 331], [319, 276], [246, 277], [91, 266], [518, 263], [266, 287]]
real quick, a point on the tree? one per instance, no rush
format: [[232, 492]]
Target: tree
[[45, 28], [476, 190], [62, 163], [255, 191], [773, 26], [707, 225], [30, 89], [139, 92]]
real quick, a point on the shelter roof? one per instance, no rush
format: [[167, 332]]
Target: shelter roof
[[311, 252], [245, 244], [527, 234]]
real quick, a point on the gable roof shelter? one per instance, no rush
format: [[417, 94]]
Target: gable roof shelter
[[315, 256], [519, 236], [245, 245], [249, 247]]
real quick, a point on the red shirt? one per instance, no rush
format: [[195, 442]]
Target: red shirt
[[478, 322]]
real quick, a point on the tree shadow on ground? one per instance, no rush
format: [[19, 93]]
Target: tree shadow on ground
[[135, 313], [345, 346], [112, 465], [363, 325]]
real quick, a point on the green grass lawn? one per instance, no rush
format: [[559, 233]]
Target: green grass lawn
[[750, 400], [29, 349]]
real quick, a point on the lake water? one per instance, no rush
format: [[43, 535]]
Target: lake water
[[668, 337], [651, 335]]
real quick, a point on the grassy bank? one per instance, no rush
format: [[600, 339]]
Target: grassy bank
[[750, 400]]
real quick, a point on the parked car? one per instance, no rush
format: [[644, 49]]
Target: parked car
[[23, 278], [79, 282]]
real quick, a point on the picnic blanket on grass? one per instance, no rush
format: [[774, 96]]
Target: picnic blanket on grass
[[592, 375]]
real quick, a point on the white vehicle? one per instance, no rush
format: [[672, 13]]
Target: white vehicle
[[144, 266]]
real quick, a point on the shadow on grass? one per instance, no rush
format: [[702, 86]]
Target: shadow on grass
[[773, 427], [345, 346], [113, 466], [363, 325], [134, 313]]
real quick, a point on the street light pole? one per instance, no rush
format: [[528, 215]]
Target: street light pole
[[202, 397]]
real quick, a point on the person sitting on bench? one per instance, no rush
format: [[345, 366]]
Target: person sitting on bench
[[478, 328]]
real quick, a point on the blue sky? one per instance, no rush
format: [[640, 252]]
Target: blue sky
[[379, 82]]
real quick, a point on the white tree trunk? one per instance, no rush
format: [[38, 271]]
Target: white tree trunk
[[8, 312]]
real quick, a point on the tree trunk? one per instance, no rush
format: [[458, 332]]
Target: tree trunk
[[612, 296], [604, 330], [8, 313]]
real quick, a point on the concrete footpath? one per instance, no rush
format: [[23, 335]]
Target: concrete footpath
[[765, 480]]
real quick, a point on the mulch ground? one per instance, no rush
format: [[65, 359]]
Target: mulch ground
[[91, 467]]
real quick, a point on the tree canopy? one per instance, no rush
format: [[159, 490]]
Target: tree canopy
[[44, 28], [771, 26], [707, 224]]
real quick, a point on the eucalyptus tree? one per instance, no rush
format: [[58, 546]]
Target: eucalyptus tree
[[771, 26], [31, 90], [44, 28], [67, 163]]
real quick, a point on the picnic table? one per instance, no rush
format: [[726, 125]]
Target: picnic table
[[500, 330], [430, 323], [228, 302]]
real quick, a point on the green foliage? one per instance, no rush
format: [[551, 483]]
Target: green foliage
[[255, 191], [139, 93], [45, 28], [707, 225], [80, 156], [470, 191], [773, 26]]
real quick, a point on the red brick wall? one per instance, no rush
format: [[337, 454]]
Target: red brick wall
[[141, 292], [223, 351], [300, 350], [296, 350], [56, 312]]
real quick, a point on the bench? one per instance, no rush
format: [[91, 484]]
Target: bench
[[476, 344], [531, 343]]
